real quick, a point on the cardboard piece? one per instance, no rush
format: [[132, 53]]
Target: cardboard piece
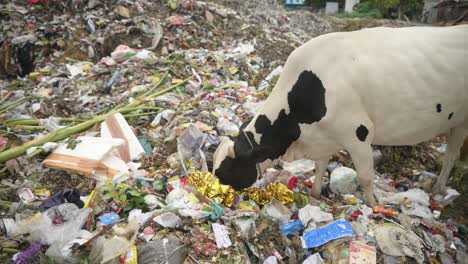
[[116, 126], [92, 156]]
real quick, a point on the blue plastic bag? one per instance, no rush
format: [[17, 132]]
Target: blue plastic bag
[[338, 229], [292, 227], [109, 218]]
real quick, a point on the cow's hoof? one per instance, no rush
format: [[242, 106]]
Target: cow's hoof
[[315, 192], [370, 200], [439, 189]]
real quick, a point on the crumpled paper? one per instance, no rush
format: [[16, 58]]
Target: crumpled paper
[[210, 186]]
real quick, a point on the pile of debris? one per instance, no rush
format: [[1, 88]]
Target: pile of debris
[[107, 142]]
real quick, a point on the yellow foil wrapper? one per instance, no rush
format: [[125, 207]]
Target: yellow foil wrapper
[[210, 186], [274, 190]]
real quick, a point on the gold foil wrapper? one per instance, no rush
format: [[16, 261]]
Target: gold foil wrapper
[[274, 190], [210, 186]]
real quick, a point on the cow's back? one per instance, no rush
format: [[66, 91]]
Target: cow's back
[[411, 82]]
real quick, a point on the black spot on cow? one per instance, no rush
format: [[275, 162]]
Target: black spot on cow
[[362, 132], [450, 116], [439, 108], [306, 102], [262, 124]]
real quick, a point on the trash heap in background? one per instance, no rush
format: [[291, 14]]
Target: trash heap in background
[[137, 94]]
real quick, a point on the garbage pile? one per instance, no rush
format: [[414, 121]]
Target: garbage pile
[[111, 112]]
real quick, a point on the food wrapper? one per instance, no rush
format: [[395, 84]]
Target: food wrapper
[[274, 190], [210, 186], [205, 183]]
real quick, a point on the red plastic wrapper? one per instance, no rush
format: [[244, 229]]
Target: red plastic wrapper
[[355, 215], [33, 2], [292, 182]]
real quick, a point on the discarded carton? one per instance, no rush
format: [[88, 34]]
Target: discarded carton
[[116, 126], [92, 156]]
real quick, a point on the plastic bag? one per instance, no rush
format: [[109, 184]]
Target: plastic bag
[[189, 147], [343, 180], [227, 128]]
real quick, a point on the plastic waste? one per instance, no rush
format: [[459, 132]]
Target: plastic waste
[[168, 250], [116, 126], [105, 250], [450, 196], [189, 147], [167, 115], [337, 229], [292, 227], [343, 180], [313, 259], [112, 80], [97, 152], [79, 68], [266, 82], [299, 167], [109, 218], [315, 214], [414, 195], [29, 255], [168, 220], [25, 195], [61, 251], [271, 260], [396, 241], [221, 234], [65, 196], [277, 210], [227, 128], [416, 209], [8, 226], [60, 223], [360, 252], [90, 25]]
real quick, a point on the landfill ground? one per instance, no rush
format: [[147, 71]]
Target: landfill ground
[[110, 113]]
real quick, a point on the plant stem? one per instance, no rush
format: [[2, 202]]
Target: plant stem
[[141, 114], [6, 97], [10, 250], [13, 105], [65, 132], [25, 127]]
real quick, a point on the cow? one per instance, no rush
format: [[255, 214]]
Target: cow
[[350, 90]]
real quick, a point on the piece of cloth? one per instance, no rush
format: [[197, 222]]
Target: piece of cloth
[[65, 196]]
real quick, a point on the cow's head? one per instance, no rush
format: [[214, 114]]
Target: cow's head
[[235, 161]]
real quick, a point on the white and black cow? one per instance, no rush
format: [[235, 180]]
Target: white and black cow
[[348, 90]]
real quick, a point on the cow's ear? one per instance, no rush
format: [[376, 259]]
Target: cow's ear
[[231, 152]]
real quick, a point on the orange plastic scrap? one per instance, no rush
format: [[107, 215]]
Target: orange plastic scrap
[[116, 126], [92, 156], [384, 211]]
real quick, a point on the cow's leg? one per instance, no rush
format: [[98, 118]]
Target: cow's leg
[[361, 155], [320, 169], [455, 141]]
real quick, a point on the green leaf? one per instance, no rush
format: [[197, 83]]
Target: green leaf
[[123, 198], [134, 193], [107, 196]]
